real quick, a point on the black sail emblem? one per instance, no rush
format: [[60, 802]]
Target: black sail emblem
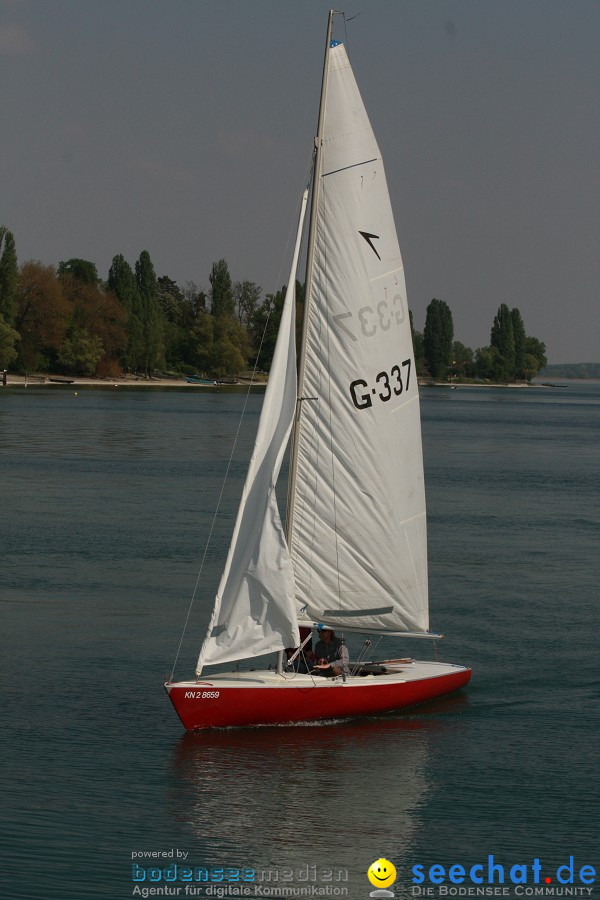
[[369, 238]]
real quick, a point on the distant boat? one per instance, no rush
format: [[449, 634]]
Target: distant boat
[[62, 380], [553, 384], [353, 555], [196, 379]]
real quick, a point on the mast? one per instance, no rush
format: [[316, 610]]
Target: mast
[[314, 205]]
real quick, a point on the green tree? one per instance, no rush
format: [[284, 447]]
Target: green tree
[[520, 339], [536, 358], [121, 282], [418, 346], [192, 330], [174, 308], [487, 363], [152, 319], [195, 298], [437, 338], [222, 299], [246, 296], [80, 352], [264, 324], [8, 341], [462, 360], [229, 350], [201, 343], [81, 269], [503, 339], [9, 276], [170, 299], [264, 327]]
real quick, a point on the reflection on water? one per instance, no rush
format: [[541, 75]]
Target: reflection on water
[[261, 797]]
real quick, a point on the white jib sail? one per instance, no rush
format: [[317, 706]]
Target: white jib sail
[[255, 610], [358, 537]]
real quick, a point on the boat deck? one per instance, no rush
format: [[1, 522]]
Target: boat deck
[[396, 671]]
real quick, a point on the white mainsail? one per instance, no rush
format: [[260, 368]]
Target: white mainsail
[[255, 610], [357, 508], [357, 537]]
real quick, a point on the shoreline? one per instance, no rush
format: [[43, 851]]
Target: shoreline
[[49, 380], [466, 384]]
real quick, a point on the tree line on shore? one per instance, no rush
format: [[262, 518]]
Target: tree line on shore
[[587, 370], [68, 320], [71, 321], [511, 355]]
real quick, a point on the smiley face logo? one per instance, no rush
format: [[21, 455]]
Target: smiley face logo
[[381, 873]]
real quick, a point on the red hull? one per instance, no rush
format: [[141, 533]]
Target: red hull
[[218, 703]]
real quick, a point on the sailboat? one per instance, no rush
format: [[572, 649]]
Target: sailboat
[[353, 553]]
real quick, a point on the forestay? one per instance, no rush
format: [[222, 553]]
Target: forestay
[[254, 610], [358, 532]]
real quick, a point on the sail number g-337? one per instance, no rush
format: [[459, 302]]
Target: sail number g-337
[[386, 385], [370, 320]]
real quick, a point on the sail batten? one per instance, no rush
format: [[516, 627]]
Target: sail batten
[[350, 166]]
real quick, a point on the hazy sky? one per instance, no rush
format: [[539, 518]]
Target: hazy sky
[[185, 127]]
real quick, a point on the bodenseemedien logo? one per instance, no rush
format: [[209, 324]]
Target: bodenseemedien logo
[[381, 874]]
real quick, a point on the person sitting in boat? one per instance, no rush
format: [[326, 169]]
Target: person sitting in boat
[[305, 659], [331, 653]]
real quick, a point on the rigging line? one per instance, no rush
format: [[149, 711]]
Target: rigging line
[[235, 439], [379, 640], [375, 646], [346, 20], [363, 652], [218, 507]]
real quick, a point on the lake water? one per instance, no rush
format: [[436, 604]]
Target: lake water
[[107, 500]]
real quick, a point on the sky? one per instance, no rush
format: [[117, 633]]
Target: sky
[[185, 128]]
